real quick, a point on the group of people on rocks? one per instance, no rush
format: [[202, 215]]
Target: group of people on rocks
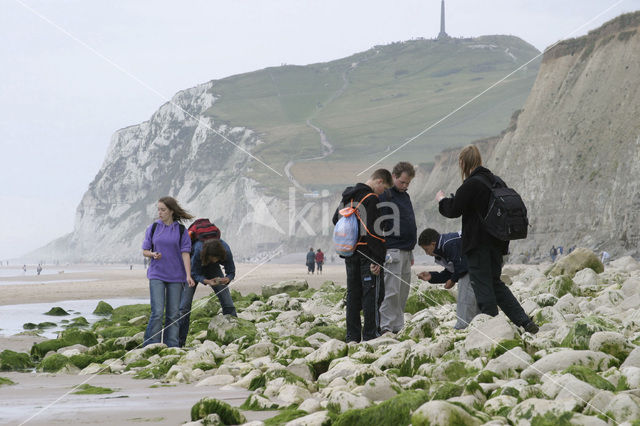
[[379, 271]]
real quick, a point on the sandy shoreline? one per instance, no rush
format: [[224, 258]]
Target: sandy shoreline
[[135, 402], [113, 283]]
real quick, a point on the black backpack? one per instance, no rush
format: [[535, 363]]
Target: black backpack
[[506, 217]]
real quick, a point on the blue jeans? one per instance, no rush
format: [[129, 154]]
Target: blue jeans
[[163, 295], [224, 297]]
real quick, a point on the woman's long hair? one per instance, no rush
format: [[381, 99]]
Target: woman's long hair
[[469, 160], [179, 214]]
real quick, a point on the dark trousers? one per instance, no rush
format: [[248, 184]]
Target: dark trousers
[[363, 289], [485, 268]]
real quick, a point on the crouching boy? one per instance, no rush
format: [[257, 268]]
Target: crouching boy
[[447, 251]]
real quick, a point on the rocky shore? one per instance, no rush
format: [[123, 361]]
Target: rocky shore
[[286, 351]]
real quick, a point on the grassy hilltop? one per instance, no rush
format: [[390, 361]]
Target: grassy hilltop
[[371, 102]]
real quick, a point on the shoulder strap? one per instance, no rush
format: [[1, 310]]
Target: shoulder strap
[[357, 211], [182, 228], [153, 229]]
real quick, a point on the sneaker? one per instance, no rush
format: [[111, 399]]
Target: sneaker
[[531, 327]]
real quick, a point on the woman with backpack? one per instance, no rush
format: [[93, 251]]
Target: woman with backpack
[[168, 245], [484, 252]]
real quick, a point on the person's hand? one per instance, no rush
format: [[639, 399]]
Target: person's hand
[[156, 255], [440, 195], [223, 280], [191, 282], [424, 276], [375, 269], [449, 284]]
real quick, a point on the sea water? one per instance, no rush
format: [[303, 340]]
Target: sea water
[[13, 317]]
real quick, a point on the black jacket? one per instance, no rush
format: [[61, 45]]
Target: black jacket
[[448, 253], [369, 246], [471, 201], [407, 238]]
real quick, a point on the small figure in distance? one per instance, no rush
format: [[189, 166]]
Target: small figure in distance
[[447, 251], [311, 261], [319, 261]]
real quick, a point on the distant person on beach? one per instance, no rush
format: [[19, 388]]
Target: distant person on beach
[[206, 263], [168, 245], [39, 269], [364, 266], [319, 261], [400, 236], [483, 251], [24, 269], [553, 253], [447, 251], [605, 257], [311, 261]]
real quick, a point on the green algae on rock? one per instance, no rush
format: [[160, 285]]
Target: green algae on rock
[[56, 311], [228, 414], [103, 308], [15, 361], [87, 389]]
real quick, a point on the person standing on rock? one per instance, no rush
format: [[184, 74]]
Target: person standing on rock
[[168, 245], [363, 266], [311, 261], [207, 262], [400, 236], [483, 251], [319, 261], [553, 253], [447, 251]]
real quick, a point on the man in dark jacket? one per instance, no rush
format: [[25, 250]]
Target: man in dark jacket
[[447, 251], [400, 239], [363, 267]]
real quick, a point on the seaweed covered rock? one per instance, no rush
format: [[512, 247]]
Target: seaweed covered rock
[[420, 300], [15, 361], [228, 414], [74, 336], [612, 343], [54, 363], [103, 308], [575, 261], [558, 361], [394, 411], [442, 413], [485, 331], [225, 329], [290, 286], [582, 330], [57, 311]]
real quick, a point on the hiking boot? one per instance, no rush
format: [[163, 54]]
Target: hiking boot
[[531, 327]]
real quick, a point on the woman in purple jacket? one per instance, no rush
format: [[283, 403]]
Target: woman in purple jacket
[[168, 245]]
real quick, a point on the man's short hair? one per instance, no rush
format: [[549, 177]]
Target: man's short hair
[[428, 236], [404, 167], [384, 175]]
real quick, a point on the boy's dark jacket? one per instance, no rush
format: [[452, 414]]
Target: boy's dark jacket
[[448, 253], [368, 246]]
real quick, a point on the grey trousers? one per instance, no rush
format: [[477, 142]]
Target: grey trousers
[[467, 306], [397, 283]]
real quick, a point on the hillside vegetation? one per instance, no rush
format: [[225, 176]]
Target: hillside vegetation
[[370, 103]]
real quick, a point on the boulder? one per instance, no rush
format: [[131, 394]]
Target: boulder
[[345, 401], [510, 362], [612, 343], [225, 329], [290, 286], [310, 405], [535, 409], [485, 331], [558, 361], [318, 418], [321, 357], [442, 413], [293, 394], [500, 405], [624, 407], [379, 389], [586, 279], [575, 261], [633, 360]]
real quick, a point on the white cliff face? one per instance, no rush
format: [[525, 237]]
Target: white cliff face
[[574, 151]]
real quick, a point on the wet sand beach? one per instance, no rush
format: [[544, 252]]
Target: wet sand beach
[[135, 401]]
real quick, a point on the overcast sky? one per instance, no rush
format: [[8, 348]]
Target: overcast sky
[[72, 72]]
